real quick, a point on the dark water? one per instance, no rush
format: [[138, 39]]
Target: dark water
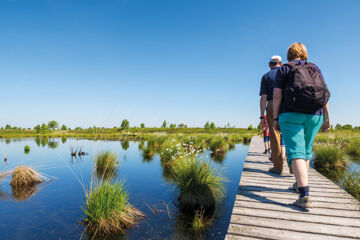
[[54, 211]]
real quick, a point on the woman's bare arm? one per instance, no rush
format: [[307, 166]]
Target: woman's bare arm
[[326, 125]]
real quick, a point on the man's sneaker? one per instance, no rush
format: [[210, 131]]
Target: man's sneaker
[[275, 170], [265, 151], [295, 187], [304, 202]]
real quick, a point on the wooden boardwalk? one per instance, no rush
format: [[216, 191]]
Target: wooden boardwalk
[[263, 207]]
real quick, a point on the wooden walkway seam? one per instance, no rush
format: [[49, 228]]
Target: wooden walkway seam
[[263, 206]]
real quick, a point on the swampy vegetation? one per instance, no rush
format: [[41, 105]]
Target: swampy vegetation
[[337, 156], [165, 184]]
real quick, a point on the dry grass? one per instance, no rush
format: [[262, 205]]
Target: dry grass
[[26, 176]]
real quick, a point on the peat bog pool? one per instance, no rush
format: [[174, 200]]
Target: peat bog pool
[[54, 210]]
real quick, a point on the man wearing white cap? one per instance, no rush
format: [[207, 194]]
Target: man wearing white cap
[[266, 93]]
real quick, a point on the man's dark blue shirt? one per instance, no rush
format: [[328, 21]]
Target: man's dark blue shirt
[[267, 85]]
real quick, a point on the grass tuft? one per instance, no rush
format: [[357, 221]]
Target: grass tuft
[[108, 210], [27, 149], [25, 176], [199, 184]]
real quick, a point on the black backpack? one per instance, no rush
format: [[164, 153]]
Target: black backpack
[[305, 90]]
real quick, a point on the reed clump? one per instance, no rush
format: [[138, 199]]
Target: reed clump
[[25, 176], [108, 210], [329, 160], [200, 185], [106, 164]]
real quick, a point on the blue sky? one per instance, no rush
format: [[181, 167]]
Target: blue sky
[[96, 62]]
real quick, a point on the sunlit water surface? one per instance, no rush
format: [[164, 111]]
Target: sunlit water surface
[[54, 211]]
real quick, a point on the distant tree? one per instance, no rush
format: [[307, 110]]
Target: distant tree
[[347, 127], [250, 127], [212, 125], [338, 126], [164, 125], [53, 124], [357, 127], [78, 128], [185, 126], [142, 125], [37, 128], [259, 127], [44, 128], [181, 125], [172, 125], [8, 126], [125, 124], [207, 125], [63, 127]]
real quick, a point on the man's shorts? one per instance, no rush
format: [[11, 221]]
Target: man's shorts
[[299, 131], [266, 139]]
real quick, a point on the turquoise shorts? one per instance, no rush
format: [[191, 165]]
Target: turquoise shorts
[[299, 131]]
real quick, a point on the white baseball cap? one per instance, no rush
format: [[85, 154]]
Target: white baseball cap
[[275, 59]]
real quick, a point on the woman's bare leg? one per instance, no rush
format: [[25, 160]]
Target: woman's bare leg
[[299, 167]]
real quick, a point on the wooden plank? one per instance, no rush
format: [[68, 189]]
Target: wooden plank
[[276, 234], [330, 206], [308, 227], [263, 207], [258, 188], [352, 215]]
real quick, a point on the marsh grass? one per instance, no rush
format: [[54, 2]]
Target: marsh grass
[[108, 210], [329, 160], [200, 185], [106, 164], [351, 183], [353, 149]]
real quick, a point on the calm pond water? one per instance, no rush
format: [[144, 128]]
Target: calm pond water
[[54, 210]]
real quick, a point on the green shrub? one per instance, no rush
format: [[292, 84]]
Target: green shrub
[[108, 210], [199, 184], [329, 160], [106, 164]]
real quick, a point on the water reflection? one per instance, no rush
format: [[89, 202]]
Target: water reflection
[[125, 145], [25, 192]]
